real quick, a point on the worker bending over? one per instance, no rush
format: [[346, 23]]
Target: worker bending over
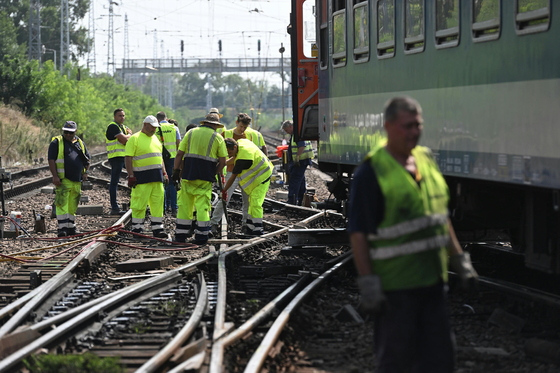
[[204, 155], [69, 163], [254, 170], [146, 177]]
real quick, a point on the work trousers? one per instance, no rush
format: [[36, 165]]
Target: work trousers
[[141, 196], [219, 209], [117, 165], [296, 189], [256, 199], [415, 336], [194, 194], [170, 191], [66, 201]]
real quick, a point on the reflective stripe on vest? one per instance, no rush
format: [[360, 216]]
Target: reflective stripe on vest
[[260, 170], [256, 137], [147, 157], [60, 157], [415, 218], [307, 152], [191, 153], [169, 137], [114, 147]]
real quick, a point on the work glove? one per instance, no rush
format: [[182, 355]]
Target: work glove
[[224, 195], [131, 181], [374, 301], [223, 179], [165, 181], [176, 177], [296, 161], [462, 265]]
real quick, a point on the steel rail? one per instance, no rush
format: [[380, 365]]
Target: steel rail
[[258, 358], [12, 360], [167, 352], [30, 301], [216, 361]]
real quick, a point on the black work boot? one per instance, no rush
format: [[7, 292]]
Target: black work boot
[[63, 232]]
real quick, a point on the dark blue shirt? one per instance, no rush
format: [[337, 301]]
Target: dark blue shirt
[[367, 204], [73, 162]]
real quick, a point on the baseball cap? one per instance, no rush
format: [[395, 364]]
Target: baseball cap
[[152, 120], [70, 126]]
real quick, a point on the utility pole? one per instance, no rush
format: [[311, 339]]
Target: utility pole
[[64, 35], [110, 41], [282, 50], [221, 67], [154, 64], [91, 40], [35, 46], [126, 47]]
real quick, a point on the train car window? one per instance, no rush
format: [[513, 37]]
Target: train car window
[[414, 26], [385, 29], [486, 20], [309, 30], [361, 31], [323, 35], [339, 33], [532, 16], [447, 23]]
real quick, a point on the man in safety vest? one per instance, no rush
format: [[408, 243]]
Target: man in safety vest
[[401, 238], [204, 155], [116, 136], [254, 170], [170, 137], [300, 155], [69, 163], [146, 176], [241, 131]]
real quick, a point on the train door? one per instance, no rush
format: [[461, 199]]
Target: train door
[[305, 70]]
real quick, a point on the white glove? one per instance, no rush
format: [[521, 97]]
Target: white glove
[[462, 265], [373, 299]]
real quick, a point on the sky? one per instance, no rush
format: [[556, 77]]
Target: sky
[[199, 23]]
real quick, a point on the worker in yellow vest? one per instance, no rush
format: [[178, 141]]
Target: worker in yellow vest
[[402, 240], [116, 136], [69, 163], [146, 177], [254, 170], [204, 154], [170, 138]]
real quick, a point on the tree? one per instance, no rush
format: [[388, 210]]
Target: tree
[[8, 38], [18, 12]]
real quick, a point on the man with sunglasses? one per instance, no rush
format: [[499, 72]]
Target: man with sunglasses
[[69, 163]]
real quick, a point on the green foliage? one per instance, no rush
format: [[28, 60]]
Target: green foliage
[[86, 363], [18, 13], [8, 38], [52, 98]]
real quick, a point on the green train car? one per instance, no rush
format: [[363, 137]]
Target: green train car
[[487, 74]]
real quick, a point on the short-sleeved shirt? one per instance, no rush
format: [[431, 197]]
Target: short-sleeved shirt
[[229, 167], [197, 168], [145, 142], [299, 144], [73, 162], [367, 205], [177, 132], [112, 131]]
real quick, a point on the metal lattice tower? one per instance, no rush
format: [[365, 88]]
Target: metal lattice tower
[[64, 34], [154, 76], [126, 45], [35, 47], [91, 40], [111, 42]]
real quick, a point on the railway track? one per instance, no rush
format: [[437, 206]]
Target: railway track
[[71, 297]]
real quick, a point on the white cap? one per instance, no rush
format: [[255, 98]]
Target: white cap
[[152, 120]]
